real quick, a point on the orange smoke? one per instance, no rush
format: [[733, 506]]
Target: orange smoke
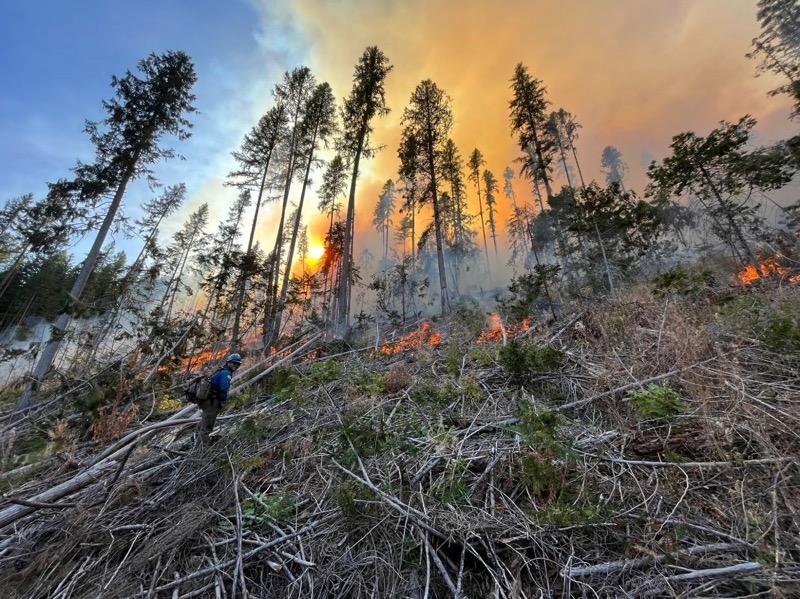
[[423, 336], [768, 268]]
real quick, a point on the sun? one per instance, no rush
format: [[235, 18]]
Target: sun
[[316, 252]]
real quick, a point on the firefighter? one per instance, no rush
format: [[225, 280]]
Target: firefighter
[[218, 393]]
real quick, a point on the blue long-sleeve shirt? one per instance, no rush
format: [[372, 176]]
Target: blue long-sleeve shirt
[[221, 383]]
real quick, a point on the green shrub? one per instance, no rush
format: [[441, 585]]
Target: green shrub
[[368, 438], [565, 514], [682, 281], [251, 428], [262, 508], [367, 383], [540, 475], [324, 372], [451, 487], [347, 495], [658, 402], [520, 360], [775, 324], [483, 356], [539, 430]]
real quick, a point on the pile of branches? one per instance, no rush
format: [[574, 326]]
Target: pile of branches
[[642, 447]]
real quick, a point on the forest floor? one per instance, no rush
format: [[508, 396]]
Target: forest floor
[[643, 446]]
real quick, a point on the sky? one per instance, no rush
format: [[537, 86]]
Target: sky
[[634, 72]]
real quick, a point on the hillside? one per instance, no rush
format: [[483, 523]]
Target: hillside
[[644, 446]]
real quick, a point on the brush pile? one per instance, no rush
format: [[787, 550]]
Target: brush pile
[[646, 446]]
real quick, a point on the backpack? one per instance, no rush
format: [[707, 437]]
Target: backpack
[[198, 389]]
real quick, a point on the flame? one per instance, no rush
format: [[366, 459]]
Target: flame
[[413, 340], [494, 333], [201, 359], [768, 268]]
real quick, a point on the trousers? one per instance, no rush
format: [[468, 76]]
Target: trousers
[[211, 407]]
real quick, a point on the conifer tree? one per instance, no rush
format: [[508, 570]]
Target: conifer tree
[[490, 186], [457, 220], [367, 100], [475, 164], [382, 217], [155, 211], [186, 244], [316, 128], [722, 173], [428, 118], [143, 109], [294, 91], [407, 170], [334, 180], [254, 158], [778, 45], [613, 166]]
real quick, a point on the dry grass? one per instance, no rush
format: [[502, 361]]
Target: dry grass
[[418, 475]]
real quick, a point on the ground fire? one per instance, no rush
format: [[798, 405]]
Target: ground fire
[[497, 331], [768, 268], [421, 337]]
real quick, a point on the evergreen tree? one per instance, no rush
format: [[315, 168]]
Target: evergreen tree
[[334, 180], [367, 100], [382, 217], [131, 300], [459, 237], [556, 132], [529, 123], [428, 118], [254, 158], [723, 174], [295, 92], [490, 185], [221, 260], [475, 163], [185, 247], [613, 166], [127, 143], [316, 128], [778, 45], [408, 171]]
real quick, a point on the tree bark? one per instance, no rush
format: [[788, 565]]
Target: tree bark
[[237, 317], [483, 226], [290, 256], [445, 300], [343, 309]]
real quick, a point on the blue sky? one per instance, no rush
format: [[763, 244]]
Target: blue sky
[[57, 58]]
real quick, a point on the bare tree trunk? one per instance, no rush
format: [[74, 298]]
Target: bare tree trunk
[[180, 276], [735, 229], [605, 258], [483, 226], [290, 256], [237, 316], [345, 275], [445, 300], [279, 240]]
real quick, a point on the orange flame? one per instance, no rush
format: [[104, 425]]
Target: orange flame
[[413, 340], [495, 331], [768, 268]]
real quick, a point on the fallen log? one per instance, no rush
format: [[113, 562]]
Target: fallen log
[[625, 565], [15, 512], [743, 568]]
